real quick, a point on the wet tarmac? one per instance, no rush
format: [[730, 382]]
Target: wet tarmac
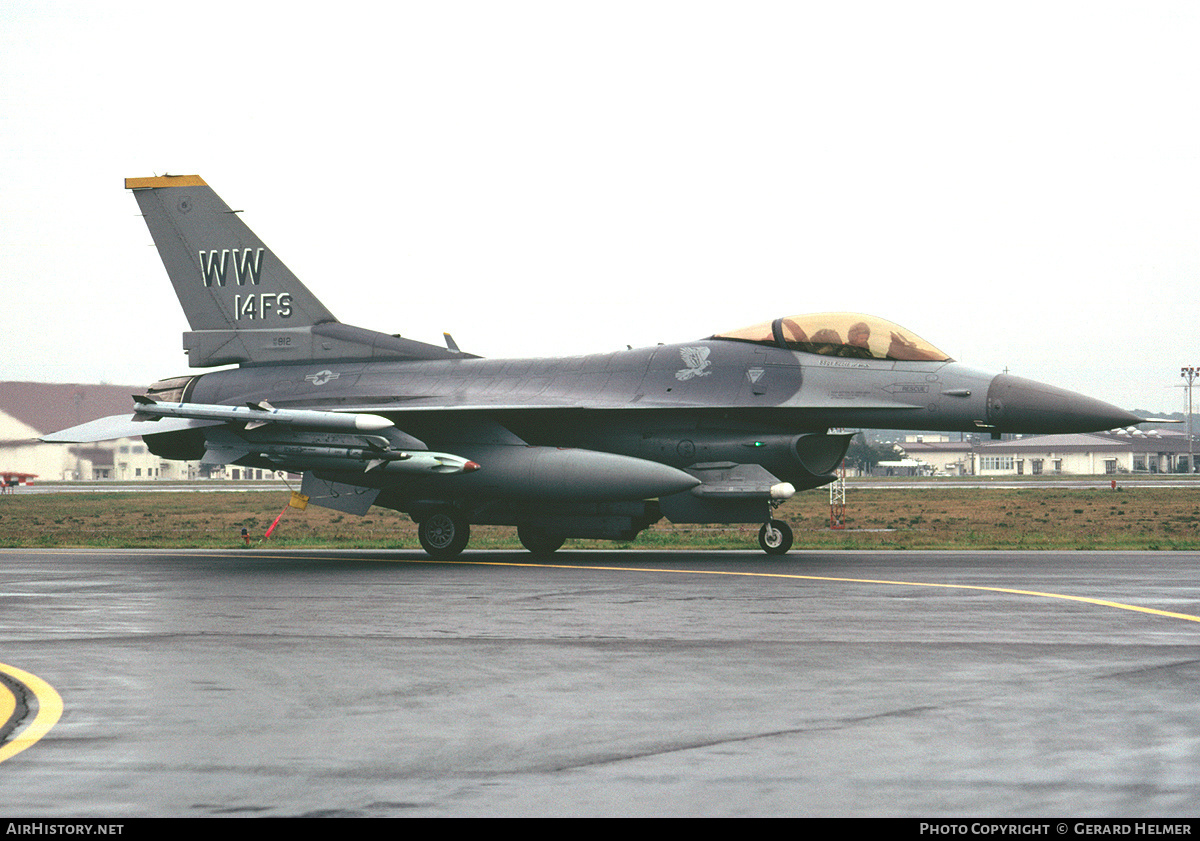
[[262, 683]]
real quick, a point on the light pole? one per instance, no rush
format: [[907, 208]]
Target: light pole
[[1190, 373]]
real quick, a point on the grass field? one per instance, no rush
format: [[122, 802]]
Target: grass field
[[891, 518]]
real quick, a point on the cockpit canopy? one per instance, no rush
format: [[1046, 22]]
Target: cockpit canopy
[[846, 334]]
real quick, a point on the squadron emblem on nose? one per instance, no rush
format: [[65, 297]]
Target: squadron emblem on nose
[[696, 360]]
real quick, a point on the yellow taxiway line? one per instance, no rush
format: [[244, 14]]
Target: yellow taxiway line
[[49, 710], [8, 704], [1187, 617]]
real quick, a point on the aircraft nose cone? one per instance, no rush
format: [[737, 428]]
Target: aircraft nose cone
[[1015, 404]]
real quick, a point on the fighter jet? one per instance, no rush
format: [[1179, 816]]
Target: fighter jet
[[720, 429]]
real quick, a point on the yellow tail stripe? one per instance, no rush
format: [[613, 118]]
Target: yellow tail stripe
[[164, 181]]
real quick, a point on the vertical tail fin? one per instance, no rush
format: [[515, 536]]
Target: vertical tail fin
[[224, 276], [243, 304]]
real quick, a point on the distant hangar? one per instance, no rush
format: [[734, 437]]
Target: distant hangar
[[1088, 454]]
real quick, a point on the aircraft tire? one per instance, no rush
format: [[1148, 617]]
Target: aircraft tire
[[777, 540], [538, 541], [444, 534]]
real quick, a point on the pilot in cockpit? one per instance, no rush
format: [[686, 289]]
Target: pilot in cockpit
[[858, 342], [826, 342]]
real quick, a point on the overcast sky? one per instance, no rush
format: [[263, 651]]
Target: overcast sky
[[1018, 183]]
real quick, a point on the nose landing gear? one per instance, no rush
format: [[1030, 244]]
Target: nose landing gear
[[775, 537]]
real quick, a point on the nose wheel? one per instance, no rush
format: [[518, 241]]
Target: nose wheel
[[775, 537]]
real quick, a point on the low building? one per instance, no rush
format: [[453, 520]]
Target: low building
[[943, 456], [902, 467], [1096, 453]]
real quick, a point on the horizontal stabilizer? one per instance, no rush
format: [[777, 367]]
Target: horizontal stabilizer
[[122, 426]]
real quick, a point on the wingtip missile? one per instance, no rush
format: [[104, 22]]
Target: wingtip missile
[[256, 415]]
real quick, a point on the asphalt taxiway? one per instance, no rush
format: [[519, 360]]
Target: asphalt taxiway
[[607, 683]]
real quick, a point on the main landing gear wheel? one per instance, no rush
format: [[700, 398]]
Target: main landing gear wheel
[[444, 534], [539, 541], [775, 537]]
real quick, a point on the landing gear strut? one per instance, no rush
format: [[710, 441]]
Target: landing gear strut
[[444, 533], [775, 537]]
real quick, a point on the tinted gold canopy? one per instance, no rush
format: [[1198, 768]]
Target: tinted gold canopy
[[847, 334]]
